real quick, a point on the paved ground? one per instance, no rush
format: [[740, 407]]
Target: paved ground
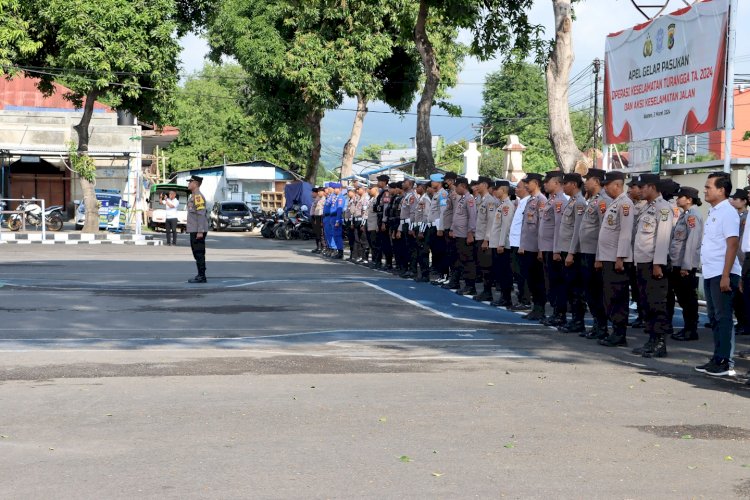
[[290, 377]]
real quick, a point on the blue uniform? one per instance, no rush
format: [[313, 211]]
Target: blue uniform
[[327, 220], [340, 202]]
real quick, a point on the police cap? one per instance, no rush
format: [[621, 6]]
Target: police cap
[[740, 194], [451, 175], [533, 177], [613, 175], [553, 174], [196, 178], [462, 180], [437, 177], [502, 183], [595, 172], [691, 192], [484, 179], [573, 177]]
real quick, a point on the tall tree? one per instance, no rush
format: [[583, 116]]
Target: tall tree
[[15, 42], [558, 74], [496, 25], [121, 51]]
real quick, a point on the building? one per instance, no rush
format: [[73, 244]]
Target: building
[[239, 181], [740, 147]]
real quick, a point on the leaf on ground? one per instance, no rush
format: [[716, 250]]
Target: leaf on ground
[[643, 380], [405, 459], [52, 449], [692, 467], [686, 436], [509, 445], [507, 372], [728, 458], [490, 383], [3, 436], [437, 474], [108, 415], [631, 386], [382, 419], [746, 466]]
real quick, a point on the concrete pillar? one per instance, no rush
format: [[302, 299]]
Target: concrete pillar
[[471, 162], [514, 159]]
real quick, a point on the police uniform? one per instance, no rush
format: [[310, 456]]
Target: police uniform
[[684, 255], [437, 243], [635, 292], [382, 207], [339, 207], [464, 224], [409, 262], [483, 256], [317, 220], [549, 221], [585, 242], [451, 264], [422, 228], [650, 249], [349, 214], [572, 284], [499, 241], [197, 227], [615, 242], [531, 267], [361, 235], [394, 223]]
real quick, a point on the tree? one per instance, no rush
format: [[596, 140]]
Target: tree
[[217, 122], [515, 102], [497, 26], [15, 42], [120, 51], [558, 74]]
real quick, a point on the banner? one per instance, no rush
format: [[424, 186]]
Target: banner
[[666, 77]]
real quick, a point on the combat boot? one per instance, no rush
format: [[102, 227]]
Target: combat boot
[[536, 314], [659, 350], [614, 340], [522, 306], [555, 320], [685, 335], [573, 326], [648, 347], [468, 289]]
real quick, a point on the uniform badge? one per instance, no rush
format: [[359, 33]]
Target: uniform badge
[[591, 211], [558, 207], [580, 210], [676, 212], [602, 206], [691, 221], [679, 234], [625, 209], [611, 220], [506, 210], [541, 205], [664, 214]]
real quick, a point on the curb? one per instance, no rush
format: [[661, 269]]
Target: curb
[[78, 239]]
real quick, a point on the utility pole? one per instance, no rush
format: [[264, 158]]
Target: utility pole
[[481, 128], [597, 66]]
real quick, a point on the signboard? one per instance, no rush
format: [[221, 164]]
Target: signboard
[[666, 77]]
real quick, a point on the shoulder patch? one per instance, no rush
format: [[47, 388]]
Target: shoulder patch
[[541, 204], [626, 209], [470, 202], [676, 211], [602, 206], [506, 209], [691, 221], [558, 206], [580, 209]]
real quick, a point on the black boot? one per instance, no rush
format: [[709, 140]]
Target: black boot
[[614, 340], [468, 289], [659, 350], [339, 255], [685, 335], [594, 327], [573, 326], [536, 314], [648, 347], [485, 296], [556, 320]]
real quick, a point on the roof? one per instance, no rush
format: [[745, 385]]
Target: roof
[[251, 164], [21, 94]]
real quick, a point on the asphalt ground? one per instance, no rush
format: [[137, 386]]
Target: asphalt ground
[[288, 376]]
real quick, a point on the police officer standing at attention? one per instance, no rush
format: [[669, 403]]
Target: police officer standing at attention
[[650, 256], [437, 243], [499, 242], [684, 255], [450, 265], [615, 256], [639, 204], [463, 228], [394, 221], [405, 233], [553, 269], [485, 215], [317, 218], [197, 227], [382, 200], [339, 207], [421, 227], [565, 251], [585, 242], [531, 265]]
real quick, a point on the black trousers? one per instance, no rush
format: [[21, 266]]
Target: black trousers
[[450, 258], [374, 242], [593, 286], [437, 250], [466, 266], [518, 277], [385, 245], [654, 298], [553, 271], [616, 296], [349, 230], [746, 290], [635, 292], [572, 286], [502, 272], [423, 252], [685, 290], [171, 227], [484, 263], [198, 246], [533, 272], [317, 224], [400, 251]]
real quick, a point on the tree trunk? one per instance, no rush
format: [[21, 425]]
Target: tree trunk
[[313, 123], [91, 224], [425, 161], [558, 74], [350, 148]]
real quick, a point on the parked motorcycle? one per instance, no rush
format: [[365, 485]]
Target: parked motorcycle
[[269, 224], [32, 215]]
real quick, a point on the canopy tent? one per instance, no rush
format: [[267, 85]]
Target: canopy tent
[[298, 193]]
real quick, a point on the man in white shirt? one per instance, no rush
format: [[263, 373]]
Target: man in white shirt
[[721, 271], [171, 203], [522, 195]]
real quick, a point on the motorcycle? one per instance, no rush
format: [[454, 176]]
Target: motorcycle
[[303, 228], [268, 225], [32, 215]]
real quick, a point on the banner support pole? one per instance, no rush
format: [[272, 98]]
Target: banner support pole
[[729, 110]]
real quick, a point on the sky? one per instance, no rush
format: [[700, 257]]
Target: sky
[[594, 20]]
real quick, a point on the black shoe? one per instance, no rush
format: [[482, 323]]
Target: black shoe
[[685, 335], [702, 368], [451, 285], [743, 354], [521, 306], [485, 296], [638, 323], [375, 266], [537, 314], [507, 304], [197, 279], [556, 320], [614, 341], [720, 370], [337, 257], [659, 350], [645, 348], [317, 250], [573, 326], [467, 290], [407, 275]]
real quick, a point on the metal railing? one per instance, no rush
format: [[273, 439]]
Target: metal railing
[[22, 213]]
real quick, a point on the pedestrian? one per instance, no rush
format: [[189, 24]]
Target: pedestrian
[[446, 222], [486, 206], [328, 220], [170, 202], [462, 229], [585, 244], [549, 221], [523, 302], [739, 202], [371, 225], [499, 244], [395, 226], [684, 256], [650, 258], [721, 270], [745, 282], [382, 240], [614, 256], [566, 252], [405, 234], [197, 226], [531, 262]]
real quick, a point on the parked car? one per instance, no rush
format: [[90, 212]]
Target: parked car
[[230, 215]]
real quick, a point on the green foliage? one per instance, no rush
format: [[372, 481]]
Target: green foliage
[[112, 47], [746, 137], [371, 152], [216, 122], [15, 41], [451, 156], [515, 102], [81, 164]]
